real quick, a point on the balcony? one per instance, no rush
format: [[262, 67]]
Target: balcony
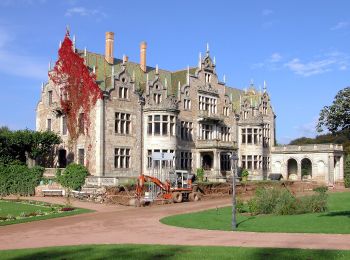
[[204, 115], [215, 144]]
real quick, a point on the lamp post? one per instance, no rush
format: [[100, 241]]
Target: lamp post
[[234, 159]]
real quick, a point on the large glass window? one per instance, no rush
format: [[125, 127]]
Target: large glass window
[[122, 158], [185, 162], [122, 123], [186, 130], [207, 103], [161, 125], [81, 156]]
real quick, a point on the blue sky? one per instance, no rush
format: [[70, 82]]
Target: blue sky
[[301, 48]]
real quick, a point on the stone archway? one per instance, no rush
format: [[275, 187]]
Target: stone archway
[[306, 169], [292, 169]]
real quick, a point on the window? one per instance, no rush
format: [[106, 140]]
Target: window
[[48, 124], [207, 103], [157, 98], [122, 158], [156, 163], [187, 104], [64, 125], [225, 134], [81, 156], [225, 162], [207, 77], [243, 136], [226, 111], [264, 107], [185, 162], [249, 135], [206, 132], [122, 123], [186, 130], [266, 135], [49, 97], [161, 125], [255, 135], [253, 162], [81, 123], [123, 92]]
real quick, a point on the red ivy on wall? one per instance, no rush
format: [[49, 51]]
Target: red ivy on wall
[[78, 88]]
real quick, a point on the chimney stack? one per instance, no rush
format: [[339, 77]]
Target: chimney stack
[[109, 47], [143, 47]]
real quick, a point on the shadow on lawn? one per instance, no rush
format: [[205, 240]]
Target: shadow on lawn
[[247, 219], [336, 214]]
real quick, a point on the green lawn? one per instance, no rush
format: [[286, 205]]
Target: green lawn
[[169, 252], [335, 221], [20, 210]]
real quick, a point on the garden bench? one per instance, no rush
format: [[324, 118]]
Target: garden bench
[[52, 192]]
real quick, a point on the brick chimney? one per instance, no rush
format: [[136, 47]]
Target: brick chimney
[[143, 47], [109, 47]]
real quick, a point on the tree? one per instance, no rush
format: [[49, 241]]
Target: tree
[[73, 177], [337, 116], [78, 87], [21, 145]]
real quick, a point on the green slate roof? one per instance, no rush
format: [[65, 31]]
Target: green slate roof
[[104, 71]]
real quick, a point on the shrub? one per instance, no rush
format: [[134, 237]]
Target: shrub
[[19, 179], [347, 172], [321, 189], [200, 174], [240, 206], [281, 202], [73, 177]]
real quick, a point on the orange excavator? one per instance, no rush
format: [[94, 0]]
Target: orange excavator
[[177, 189]]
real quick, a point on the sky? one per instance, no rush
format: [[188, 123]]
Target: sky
[[300, 48]]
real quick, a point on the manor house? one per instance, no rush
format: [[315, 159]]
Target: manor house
[[190, 113]]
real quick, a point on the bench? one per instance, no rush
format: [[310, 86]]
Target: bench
[[52, 192]]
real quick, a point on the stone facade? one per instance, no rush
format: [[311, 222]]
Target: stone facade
[[189, 112]]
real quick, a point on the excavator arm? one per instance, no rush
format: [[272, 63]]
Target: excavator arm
[[145, 178]]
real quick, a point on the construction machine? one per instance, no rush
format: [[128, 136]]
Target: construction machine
[[178, 187]]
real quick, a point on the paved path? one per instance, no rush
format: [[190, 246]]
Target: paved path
[[119, 225]]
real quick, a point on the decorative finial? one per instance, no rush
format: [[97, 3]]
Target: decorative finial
[[188, 75], [200, 61], [179, 84], [166, 83], [147, 79], [67, 30], [112, 71], [74, 42], [133, 75], [157, 72], [124, 58], [85, 52], [224, 78], [42, 86], [252, 82], [214, 61], [60, 44], [94, 69], [207, 48], [49, 65], [265, 86]]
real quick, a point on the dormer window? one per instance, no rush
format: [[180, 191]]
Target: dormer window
[[157, 98], [49, 97], [123, 92], [207, 77]]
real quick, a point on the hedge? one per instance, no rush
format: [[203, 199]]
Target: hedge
[[19, 179]]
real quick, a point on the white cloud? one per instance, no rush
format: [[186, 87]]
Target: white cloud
[[267, 12], [328, 62], [275, 57], [82, 11], [307, 129], [340, 25]]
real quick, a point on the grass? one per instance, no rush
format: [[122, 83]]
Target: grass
[[18, 208], [169, 252], [335, 221]]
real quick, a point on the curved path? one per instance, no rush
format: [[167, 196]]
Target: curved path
[[119, 225]]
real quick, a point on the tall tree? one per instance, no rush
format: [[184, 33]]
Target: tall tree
[[337, 116]]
